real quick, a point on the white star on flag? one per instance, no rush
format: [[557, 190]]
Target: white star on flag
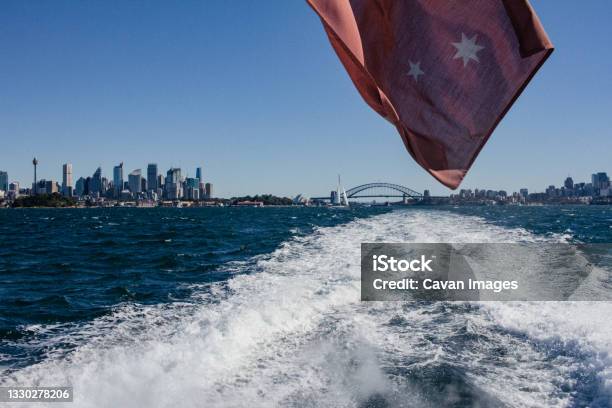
[[467, 49], [415, 70]]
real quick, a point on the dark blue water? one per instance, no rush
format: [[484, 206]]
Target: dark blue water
[[73, 265], [586, 224], [260, 307]]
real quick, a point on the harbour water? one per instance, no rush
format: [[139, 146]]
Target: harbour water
[[261, 307]]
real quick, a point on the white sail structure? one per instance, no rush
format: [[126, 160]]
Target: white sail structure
[[341, 194]]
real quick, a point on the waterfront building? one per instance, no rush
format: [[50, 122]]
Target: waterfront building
[[95, 185], [4, 183], [208, 187], [600, 181], [192, 183], [52, 187], [13, 190], [67, 179], [569, 183], [603, 185], [80, 187], [173, 184], [524, 192], [152, 177], [192, 188], [135, 181], [118, 179], [87, 186], [39, 187], [192, 194], [46, 186]]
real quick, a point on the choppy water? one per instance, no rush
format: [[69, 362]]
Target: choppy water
[[260, 307]]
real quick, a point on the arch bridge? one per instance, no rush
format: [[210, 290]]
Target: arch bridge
[[379, 190]]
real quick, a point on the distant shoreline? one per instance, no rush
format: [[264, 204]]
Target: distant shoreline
[[301, 206]]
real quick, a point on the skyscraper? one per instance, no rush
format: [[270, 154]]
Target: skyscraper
[[209, 190], [4, 183], [152, 177], [135, 181], [95, 188], [600, 180], [199, 174], [118, 179], [173, 184], [80, 187], [192, 188], [67, 179]]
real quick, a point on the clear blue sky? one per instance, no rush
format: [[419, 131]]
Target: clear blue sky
[[252, 91]]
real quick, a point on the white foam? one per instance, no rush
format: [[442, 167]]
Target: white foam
[[293, 332]]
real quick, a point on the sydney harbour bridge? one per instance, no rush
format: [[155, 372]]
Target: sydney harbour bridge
[[378, 190]]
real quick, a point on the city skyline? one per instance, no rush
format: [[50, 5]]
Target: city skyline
[[138, 182], [98, 82]]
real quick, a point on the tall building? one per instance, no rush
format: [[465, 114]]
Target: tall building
[[524, 192], [51, 187], [600, 181], [199, 174], [209, 190], [80, 187], [569, 183], [14, 189], [95, 186], [192, 188], [152, 177], [40, 187], [4, 183], [67, 179], [135, 181], [118, 179], [105, 185], [173, 185]]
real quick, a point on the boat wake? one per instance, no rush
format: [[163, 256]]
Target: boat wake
[[288, 329]]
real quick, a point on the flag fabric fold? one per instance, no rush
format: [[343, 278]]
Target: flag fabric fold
[[443, 72]]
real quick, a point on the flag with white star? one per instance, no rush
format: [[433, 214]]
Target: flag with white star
[[443, 72]]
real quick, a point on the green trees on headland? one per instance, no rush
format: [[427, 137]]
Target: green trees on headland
[[266, 199], [44, 200]]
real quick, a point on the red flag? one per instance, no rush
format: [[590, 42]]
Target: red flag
[[443, 72]]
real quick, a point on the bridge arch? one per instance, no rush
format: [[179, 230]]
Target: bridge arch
[[362, 191]]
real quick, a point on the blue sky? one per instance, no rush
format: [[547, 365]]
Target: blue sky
[[252, 92]]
